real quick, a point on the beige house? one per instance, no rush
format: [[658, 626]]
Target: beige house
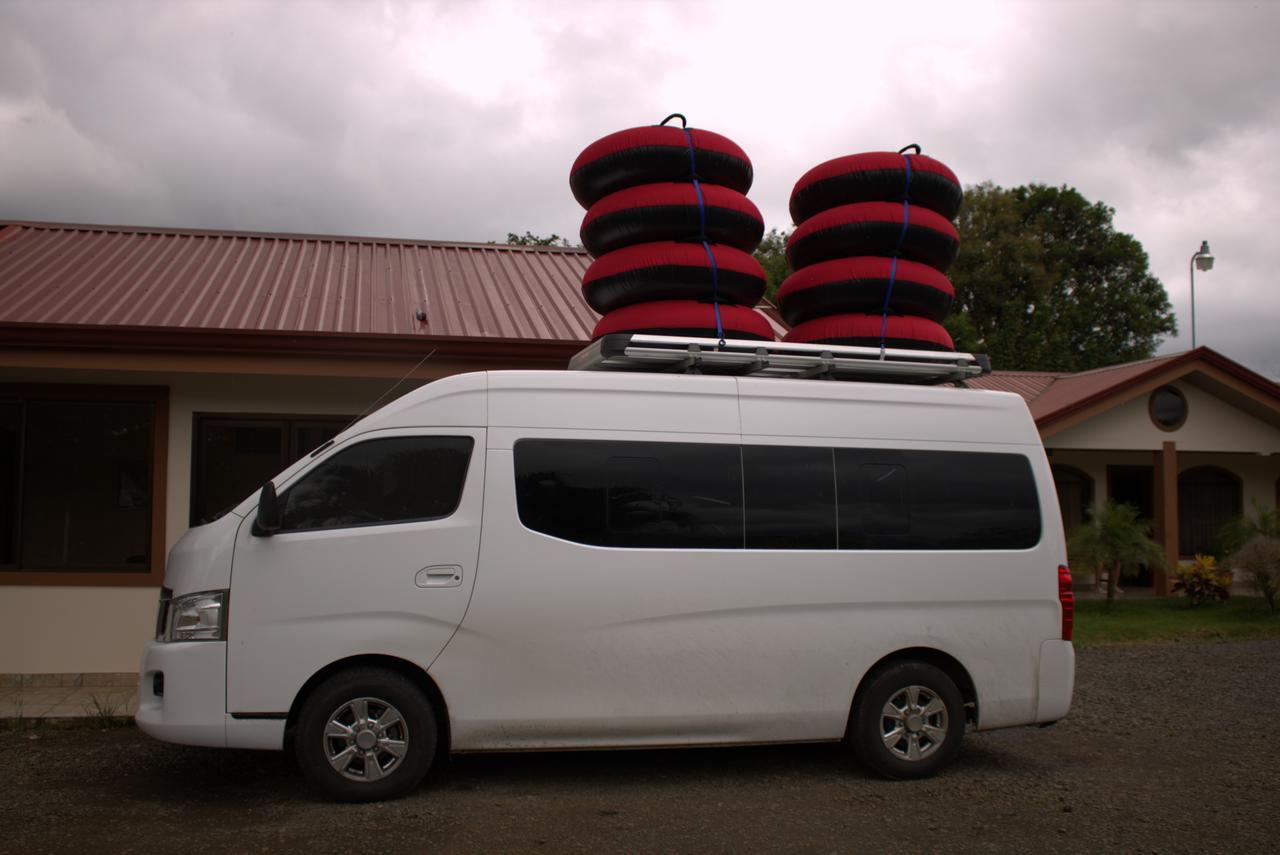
[[1191, 439], [151, 377]]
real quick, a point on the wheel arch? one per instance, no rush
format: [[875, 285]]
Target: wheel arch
[[409, 670], [944, 662]]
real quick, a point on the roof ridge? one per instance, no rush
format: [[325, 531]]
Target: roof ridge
[[295, 236], [1120, 365]]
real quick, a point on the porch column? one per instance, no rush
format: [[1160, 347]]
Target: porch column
[[1165, 524]]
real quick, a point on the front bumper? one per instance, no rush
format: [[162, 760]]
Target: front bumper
[[192, 710]]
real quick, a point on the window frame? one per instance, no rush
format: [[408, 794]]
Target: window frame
[[288, 423], [157, 397], [1151, 407]]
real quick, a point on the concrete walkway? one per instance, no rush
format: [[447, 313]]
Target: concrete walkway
[[32, 700]]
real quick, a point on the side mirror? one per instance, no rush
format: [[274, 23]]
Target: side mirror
[[267, 522]]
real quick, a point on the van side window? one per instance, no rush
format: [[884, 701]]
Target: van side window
[[790, 497], [636, 494], [398, 479], [935, 500]]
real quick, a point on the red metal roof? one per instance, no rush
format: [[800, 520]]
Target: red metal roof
[[1054, 395], [157, 282], [170, 278]]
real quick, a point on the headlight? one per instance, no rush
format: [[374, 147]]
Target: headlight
[[197, 617]]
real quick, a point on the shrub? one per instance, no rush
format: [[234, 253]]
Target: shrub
[[1259, 561], [1203, 580]]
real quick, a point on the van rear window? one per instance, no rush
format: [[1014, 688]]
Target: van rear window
[[703, 496]]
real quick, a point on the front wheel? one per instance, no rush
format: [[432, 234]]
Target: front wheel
[[908, 722], [365, 735]]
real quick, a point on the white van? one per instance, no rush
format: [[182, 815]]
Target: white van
[[585, 559]]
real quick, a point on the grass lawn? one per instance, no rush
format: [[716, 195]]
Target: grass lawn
[[1169, 619]]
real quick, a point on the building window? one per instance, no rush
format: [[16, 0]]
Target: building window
[[235, 455], [80, 470], [1208, 498], [1168, 408], [1075, 496]]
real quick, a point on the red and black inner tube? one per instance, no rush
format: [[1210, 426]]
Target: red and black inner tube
[[862, 285], [899, 331], [656, 154], [877, 176], [874, 228], [672, 271], [659, 212], [685, 318]]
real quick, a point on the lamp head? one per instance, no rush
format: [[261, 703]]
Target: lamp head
[[1204, 258]]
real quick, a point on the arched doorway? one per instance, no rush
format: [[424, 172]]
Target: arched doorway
[[1208, 498]]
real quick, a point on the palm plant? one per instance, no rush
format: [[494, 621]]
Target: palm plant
[[1115, 538], [1242, 529]]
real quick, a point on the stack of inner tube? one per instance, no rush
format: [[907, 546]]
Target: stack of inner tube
[[672, 233], [873, 240]]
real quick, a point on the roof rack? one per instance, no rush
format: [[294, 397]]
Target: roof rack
[[743, 357]]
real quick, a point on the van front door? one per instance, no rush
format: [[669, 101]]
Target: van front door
[[376, 554]]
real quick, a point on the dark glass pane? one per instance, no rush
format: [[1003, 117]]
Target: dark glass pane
[[790, 497], [10, 455], [935, 500], [1208, 499], [233, 459], [641, 494], [400, 479], [86, 497], [1168, 407]]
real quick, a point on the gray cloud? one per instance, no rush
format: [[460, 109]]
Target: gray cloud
[[458, 121]]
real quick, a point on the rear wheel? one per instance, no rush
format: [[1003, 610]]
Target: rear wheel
[[908, 722], [365, 735]]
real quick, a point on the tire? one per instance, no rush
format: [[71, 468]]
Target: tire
[[672, 271], [874, 228], [368, 696], [861, 284], [661, 212], [907, 332], [649, 155], [938, 733], [685, 318], [876, 176]]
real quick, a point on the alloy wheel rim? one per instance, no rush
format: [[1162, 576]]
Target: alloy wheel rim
[[365, 739], [913, 723]]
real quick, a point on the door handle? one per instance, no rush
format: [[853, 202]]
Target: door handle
[[439, 576]]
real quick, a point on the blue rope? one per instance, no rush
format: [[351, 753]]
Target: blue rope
[[702, 233], [893, 265]]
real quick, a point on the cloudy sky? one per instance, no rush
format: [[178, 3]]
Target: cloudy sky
[[459, 120]]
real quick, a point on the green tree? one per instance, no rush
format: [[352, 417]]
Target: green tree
[[1045, 282], [772, 255], [530, 239], [1114, 538]]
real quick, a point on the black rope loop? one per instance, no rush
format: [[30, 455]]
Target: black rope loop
[[684, 123], [904, 149]]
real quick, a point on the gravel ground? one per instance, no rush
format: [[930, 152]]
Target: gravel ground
[[1167, 749]]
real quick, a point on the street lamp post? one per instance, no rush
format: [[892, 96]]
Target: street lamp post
[[1202, 260]]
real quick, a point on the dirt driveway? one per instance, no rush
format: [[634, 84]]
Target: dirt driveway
[[1168, 749]]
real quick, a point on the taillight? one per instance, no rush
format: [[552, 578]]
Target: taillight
[[1068, 601]]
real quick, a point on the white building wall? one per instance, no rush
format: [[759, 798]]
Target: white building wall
[[1212, 425]]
